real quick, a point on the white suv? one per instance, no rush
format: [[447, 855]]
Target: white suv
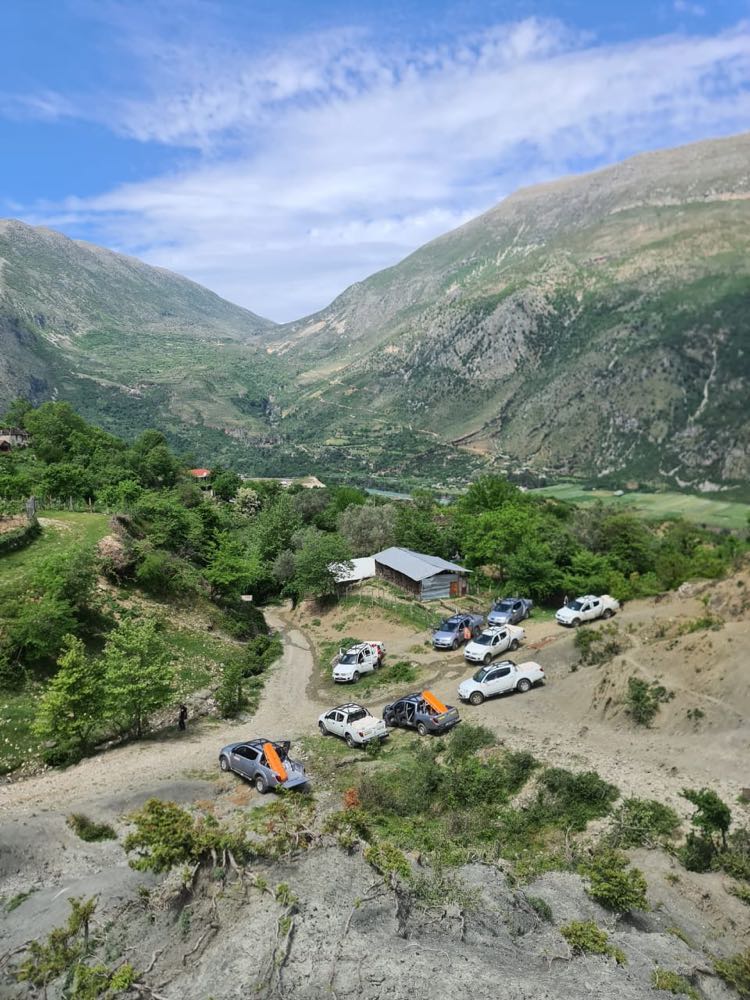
[[494, 641]]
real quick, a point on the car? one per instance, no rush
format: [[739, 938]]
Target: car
[[357, 660], [499, 678], [509, 610], [492, 642], [586, 609], [450, 632], [421, 711], [354, 723], [265, 763]]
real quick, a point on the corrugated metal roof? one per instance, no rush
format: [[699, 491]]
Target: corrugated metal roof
[[361, 569], [416, 565]]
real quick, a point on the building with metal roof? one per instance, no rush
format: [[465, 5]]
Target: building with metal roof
[[429, 578]]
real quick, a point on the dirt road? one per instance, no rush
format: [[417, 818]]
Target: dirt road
[[131, 773]]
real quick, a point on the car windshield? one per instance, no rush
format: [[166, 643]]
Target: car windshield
[[484, 639], [503, 606], [480, 675], [448, 626], [361, 713], [576, 605], [348, 658]]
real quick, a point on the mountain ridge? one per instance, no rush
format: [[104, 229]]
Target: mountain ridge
[[591, 327]]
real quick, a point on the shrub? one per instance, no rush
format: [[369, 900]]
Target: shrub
[[388, 860], [642, 823], [540, 907], [576, 798], [742, 892], [736, 972], [467, 739], [597, 646], [63, 949], [673, 982], [697, 853], [614, 884], [88, 830], [585, 938], [643, 700], [711, 816]]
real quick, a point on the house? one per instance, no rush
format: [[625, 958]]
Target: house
[[427, 577], [13, 437], [361, 569], [200, 473]]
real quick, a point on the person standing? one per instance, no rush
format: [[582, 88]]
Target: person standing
[[467, 633], [565, 601], [182, 718]]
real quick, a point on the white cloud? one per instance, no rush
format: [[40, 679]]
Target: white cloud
[[323, 162]]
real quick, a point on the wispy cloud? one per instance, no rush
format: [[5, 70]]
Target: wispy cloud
[[330, 158]]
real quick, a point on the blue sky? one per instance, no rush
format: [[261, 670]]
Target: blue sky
[[278, 151]]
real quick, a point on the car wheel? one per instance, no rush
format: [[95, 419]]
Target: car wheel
[[454, 645], [514, 645], [476, 697], [523, 685], [355, 676], [608, 613], [575, 623], [223, 763], [323, 730], [260, 784], [421, 729], [349, 741], [487, 660]]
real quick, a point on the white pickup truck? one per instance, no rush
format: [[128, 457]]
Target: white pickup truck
[[498, 678], [492, 642], [360, 659], [586, 609], [352, 723]]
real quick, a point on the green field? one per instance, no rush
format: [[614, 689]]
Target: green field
[[659, 506]]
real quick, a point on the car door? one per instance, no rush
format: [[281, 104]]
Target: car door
[[585, 611], [399, 714], [504, 680], [336, 724], [410, 711], [596, 608], [240, 760], [502, 641], [517, 612], [491, 684]]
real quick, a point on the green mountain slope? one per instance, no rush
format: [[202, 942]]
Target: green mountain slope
[[132, 346], [594, 326]]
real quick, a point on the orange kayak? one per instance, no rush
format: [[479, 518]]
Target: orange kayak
[[274, 761], [434, 702]]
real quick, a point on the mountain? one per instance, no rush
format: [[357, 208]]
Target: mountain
[[594, 326], [132, 346]]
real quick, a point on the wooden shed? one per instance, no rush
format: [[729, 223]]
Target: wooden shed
[[429, 578]]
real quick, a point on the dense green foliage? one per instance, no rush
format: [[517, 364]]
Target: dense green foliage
[[585, 938], [89, 830], [613, 883], [642, 823]]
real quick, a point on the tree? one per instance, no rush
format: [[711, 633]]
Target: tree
[[368, 529], [230, 695], [51, 427], [712, 816], [15, 415], [247, 501], [69, 576], [225, 484], [230, 570], [36, 632], [137, 675], [490, 493], [531, 569], [71, 708], [489, 538], [273, 528], [314, 576]]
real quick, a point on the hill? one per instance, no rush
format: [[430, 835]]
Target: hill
[[132, 346], [592, 327]]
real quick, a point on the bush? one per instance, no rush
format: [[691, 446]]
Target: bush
[[467, 739], [388, 860], [735, 971], [613, 884], [585, 938], [88, 830], [597, 646], [162, 574], [697, 853], [643, 700], [540, 907], [576, 798], [712, 816], [642, 823], [673, 982]]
